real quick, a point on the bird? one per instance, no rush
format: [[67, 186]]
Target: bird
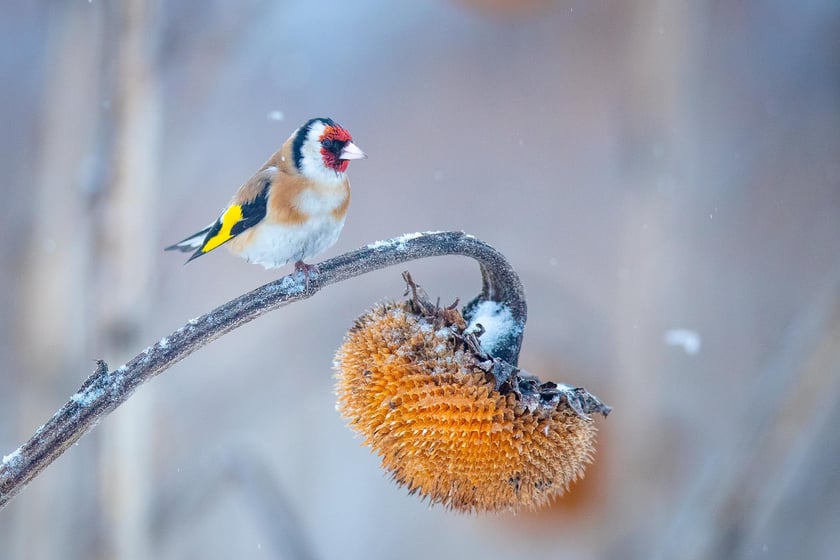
[[292, 208]]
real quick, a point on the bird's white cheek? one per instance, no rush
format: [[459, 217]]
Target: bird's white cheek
[[312, 166]]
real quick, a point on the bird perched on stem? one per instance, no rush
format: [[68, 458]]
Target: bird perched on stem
[[293, 208]]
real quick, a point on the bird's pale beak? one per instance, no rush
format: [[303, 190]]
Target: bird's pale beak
[[351, 151]]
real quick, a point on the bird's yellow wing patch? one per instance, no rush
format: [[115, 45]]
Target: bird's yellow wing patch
[[231, 217]]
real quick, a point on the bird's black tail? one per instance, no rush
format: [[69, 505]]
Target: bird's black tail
[[192, 244]]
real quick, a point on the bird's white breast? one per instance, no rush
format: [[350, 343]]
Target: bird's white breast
[[321, 201], [274, 245]]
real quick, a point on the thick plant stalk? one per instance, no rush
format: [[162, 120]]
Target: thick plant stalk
[[105, 390]]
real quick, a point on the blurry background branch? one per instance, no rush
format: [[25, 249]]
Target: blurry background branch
[[807, 365], [186, 498], [127, 200], [105, 390]]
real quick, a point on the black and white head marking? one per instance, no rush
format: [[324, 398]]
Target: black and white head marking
[[307, 151]]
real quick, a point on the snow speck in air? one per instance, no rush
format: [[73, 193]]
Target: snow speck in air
[[49, 246], [686, 339], [276, 115], [497, 321]]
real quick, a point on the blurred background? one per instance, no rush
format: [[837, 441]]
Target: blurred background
[[665, 176]]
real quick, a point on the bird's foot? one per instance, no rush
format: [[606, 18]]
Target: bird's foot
[[306, 269]]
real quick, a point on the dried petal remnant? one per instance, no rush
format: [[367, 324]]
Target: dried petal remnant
[[412, 387]]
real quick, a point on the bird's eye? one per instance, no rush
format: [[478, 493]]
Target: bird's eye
[[328, 144]]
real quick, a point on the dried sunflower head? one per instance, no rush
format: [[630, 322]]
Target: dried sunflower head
[[449, 421]]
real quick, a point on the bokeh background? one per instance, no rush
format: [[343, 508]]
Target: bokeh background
[[648, 167]]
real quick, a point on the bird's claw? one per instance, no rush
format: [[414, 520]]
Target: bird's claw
[[306, 270]]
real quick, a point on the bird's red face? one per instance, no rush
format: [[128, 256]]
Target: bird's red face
[[337, 148], [321, 150]]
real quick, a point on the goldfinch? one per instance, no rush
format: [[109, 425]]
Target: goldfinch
[[293, 208]]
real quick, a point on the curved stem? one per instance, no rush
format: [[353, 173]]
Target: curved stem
[[105, 390]]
